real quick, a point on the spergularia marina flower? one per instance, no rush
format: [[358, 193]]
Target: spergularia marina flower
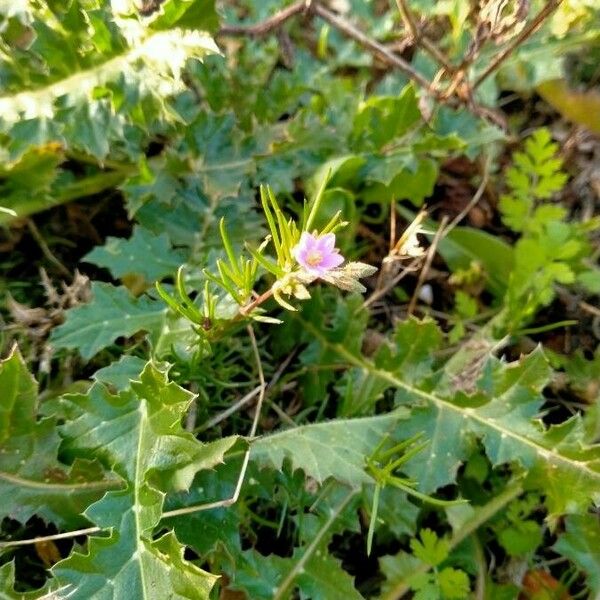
[[317, 254], [318, 258]]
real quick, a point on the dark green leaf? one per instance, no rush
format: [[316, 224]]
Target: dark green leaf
[[112, 312], [144, 253], [153, 454], [32, 478]]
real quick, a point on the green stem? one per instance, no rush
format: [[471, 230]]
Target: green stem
[[314, 209], [373, 521], [548, 327]]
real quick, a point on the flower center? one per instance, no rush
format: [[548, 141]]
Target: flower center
[[314, 258]]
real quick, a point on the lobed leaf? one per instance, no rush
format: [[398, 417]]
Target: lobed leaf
[[504, 414], [143, 253], [138, 433], [33, 480], [336, 449], [581, 544], [111, 313]]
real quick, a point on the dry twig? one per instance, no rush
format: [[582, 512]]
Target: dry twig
[[383, 52], [420, 39], [474, 200], [423, 274], [533, 26], [267, 26], [375, 47]]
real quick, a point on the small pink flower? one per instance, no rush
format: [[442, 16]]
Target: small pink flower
[[317, 254]]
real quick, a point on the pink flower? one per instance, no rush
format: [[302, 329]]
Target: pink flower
[[317, 255]]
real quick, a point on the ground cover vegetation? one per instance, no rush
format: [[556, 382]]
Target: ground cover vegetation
[[299, 299]]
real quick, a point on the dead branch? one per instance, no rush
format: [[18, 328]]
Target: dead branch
[[420, 39], [267, 26], [450, 95], [375, 47], [533, 26]]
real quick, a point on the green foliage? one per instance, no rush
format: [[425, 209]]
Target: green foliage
[[518, 534], [466, 308], [111, 313], [144, 253], [581, 544], [88, 79], [447, 583], [324, 450], [7, 585], [120, 374], [130, 558], [33, 478], [502, 395], [550, 251], [429, 549], [392, 152], [535, 175], [310, 569], [465, 246], [97, 74], [364, 425]]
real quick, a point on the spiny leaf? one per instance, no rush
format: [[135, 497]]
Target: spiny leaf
[[401, 567], [415, 343], [94, 79], [504, 417], [581, 544], [33, 174], [138, 433], [112, 313], [7, 586], [335, 449], [323, 578], [507, 423], [19, 398], [32, 478], [310, 569], [146, 64], [191, 14], [120, 374], [145, 253], [259, 575]]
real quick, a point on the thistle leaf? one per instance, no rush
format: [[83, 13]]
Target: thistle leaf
[[144, 253], [32, 478], [333, 449], [154, 455], [112, 313]]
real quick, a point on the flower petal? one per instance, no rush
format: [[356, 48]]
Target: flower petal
[[331, 261], [327, 243], [303, 247]]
